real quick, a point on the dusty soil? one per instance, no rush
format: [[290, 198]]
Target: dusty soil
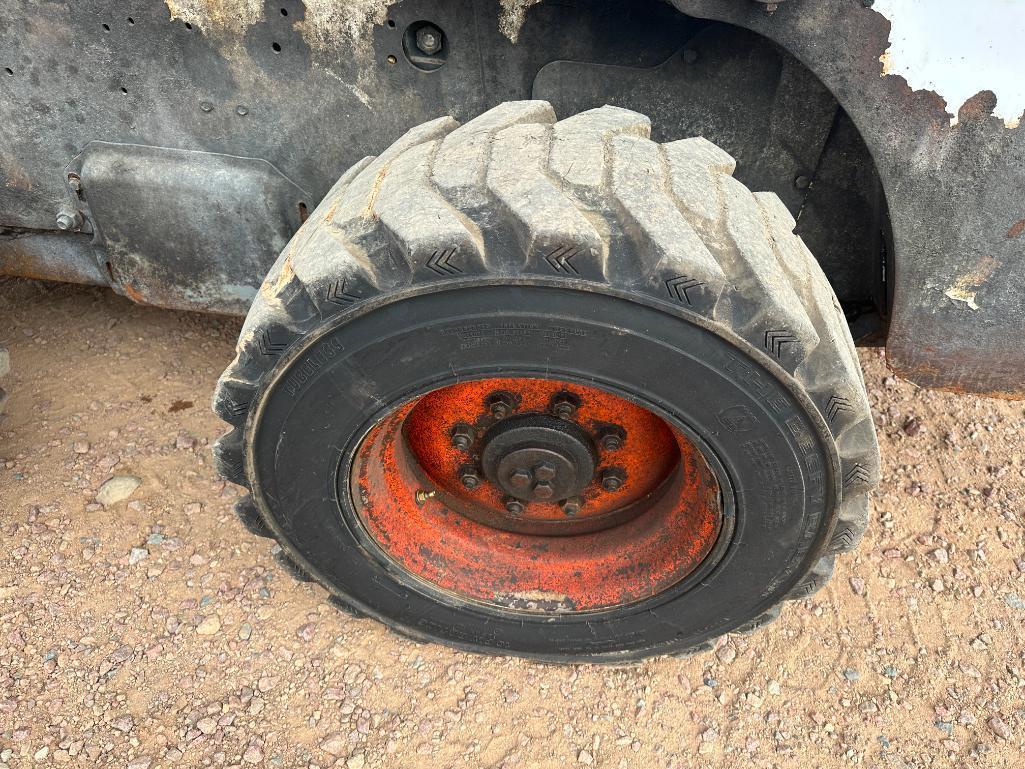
[[156, 631]]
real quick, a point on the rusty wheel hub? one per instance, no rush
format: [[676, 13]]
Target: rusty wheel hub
[[538, 458], [536, 495]]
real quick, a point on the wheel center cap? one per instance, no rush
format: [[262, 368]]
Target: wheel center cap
[[537, 457]]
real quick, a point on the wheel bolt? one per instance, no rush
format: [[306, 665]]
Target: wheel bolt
[[572, 505], [429, 40], [468, 475], [612, 479], [513, 505], [500, 404], [462, 436], [612, 438], [565, 405]]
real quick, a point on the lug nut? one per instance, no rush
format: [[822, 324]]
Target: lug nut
[[572, 505], [468, 475], [429, 39], [612, 438], [513, 505], [462, 436], [565, 404], [613, 479], [500, 404]]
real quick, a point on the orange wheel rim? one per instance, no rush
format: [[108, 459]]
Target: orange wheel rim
[[536, 495]]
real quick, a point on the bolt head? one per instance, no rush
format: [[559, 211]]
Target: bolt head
[[544, 472], [520, 478], [69, 221], [428, 40], [612, 438], [513, 506], [572, 505], [543, 490]]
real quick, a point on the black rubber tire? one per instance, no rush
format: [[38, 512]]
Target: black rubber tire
[[590, 234]]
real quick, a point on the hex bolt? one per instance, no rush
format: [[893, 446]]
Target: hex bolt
[[521, 478], [543, 490], [500, 404], [429, 39], [462, 436], [612, 438], [69, 220], [802, 182], [565, 405], [75, 182], [612, 479], [469, 476], [572, 505], [513, 505]]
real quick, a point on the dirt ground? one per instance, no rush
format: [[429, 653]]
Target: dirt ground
[[156, 631]]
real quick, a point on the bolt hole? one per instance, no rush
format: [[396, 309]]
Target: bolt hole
[[110, 272], [188, 26], [304, 212], [391, 23], [124, 90], [131, 21], [8, 70], [392, 60], [284, 12], [276, 47], [106, 28]]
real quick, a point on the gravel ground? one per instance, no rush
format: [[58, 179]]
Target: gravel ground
[[154, 631]]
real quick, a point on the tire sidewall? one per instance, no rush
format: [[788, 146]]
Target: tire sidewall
[[772, 451]]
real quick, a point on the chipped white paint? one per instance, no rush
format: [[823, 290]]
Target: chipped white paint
[[514, 12], [958, 48], [967, 287], [327, 24]]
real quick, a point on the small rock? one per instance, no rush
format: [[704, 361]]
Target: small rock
[[940, 555], [584, 757], [773, 687], [937, 585], [266, 683], [857, 585], [335, 744], [209, 625], [123, 723], [245, 631], [999, 728], [81, 447], [1014, 601], [726, 654], [141, 762], [851, 674], [912, 426], [253, 755], [117, 489], [356, 761], [137, 554], [207, 725], [42, 753]]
